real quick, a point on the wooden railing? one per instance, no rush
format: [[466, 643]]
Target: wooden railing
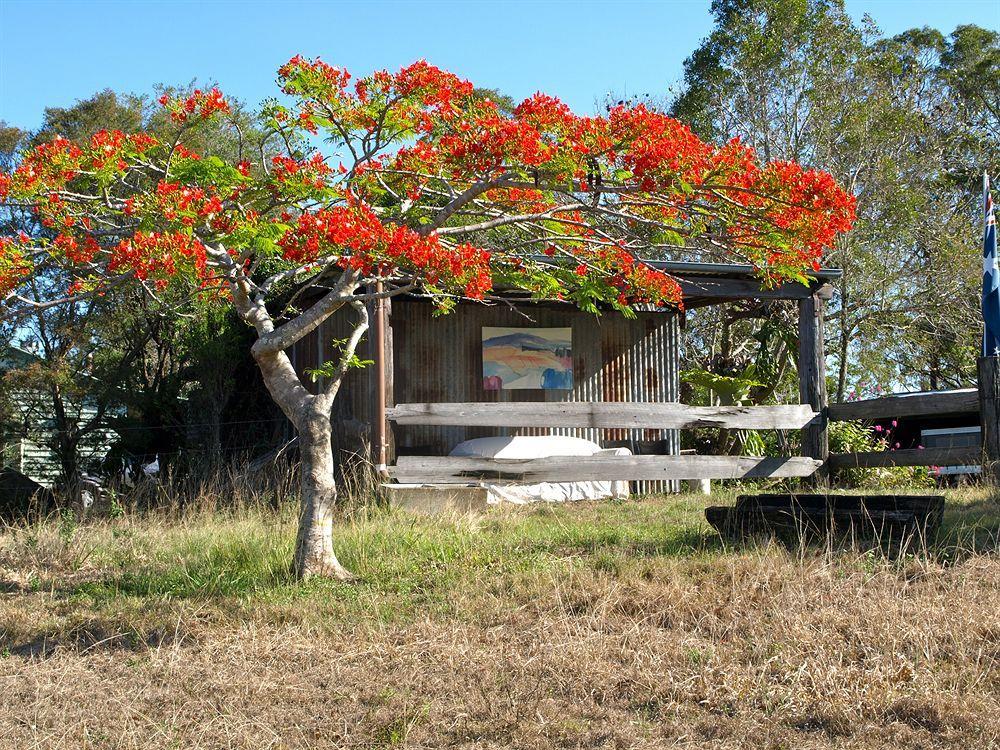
[[960, 402], [452, 469], [604, 414], [611, 415], [617, 415]]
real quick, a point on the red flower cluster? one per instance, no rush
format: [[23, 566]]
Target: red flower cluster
[[635, 281], [107, 146], [363, 242], [309, 173], [13, 265], [203, 104], [300, 75], [47, 166], [76, 251], [158, 257], [185, 202], [434, 87], [815, 207], [488, 141], [183, 153], [545, 113], [658, 149]]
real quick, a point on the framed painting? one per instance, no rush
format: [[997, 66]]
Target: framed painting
[[522, 358]]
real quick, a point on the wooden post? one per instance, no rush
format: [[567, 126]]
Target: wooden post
[[381, 365], [989, 417], [812, 381]]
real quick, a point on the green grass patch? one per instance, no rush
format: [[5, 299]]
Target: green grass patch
[[149, 571]]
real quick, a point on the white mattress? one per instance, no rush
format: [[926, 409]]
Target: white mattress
[[541, 447]]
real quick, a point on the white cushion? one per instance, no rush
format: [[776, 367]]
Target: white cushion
[[525, 446]]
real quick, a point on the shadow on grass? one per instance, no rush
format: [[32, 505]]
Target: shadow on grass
[[91, 638], [685, 540]]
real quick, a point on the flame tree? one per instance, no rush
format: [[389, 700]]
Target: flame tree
[[423, 184]]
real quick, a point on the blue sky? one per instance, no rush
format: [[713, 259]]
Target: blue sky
[[54, 52]]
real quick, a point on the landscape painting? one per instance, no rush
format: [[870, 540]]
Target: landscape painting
[[520, 358]]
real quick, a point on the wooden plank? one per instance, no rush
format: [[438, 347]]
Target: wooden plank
[[450, 470], [812, 380], [887, 526], [604, 415], [907, 457], [988, 397], [963, 401]]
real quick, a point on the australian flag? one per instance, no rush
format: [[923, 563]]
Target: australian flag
[[991, 277]]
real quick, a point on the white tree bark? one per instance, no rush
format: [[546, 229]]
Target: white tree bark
[[314, 554], [309, 413]]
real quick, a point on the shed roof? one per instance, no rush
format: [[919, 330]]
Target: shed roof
[[705, 284], [714, 283], [728, 270]]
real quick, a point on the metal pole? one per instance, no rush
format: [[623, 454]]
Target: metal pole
[[380, 396]]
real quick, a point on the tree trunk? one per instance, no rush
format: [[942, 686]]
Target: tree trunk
[[314, 553], [310, 414]]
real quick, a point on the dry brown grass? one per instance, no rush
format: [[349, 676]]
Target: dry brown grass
[[600, 626]]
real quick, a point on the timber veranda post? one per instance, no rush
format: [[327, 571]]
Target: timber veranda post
[[812, 383], [988, 369], [382, 356]]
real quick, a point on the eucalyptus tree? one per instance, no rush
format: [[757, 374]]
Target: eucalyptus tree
[[906, 125]]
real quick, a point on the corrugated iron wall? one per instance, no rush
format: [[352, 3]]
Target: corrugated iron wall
[[439, 359]]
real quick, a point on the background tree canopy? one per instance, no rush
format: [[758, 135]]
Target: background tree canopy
[[908, 124], [168, 386]]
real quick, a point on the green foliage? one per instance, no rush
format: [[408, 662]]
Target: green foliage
[[144, 370], [723, 389], [858, 437], [335, 368], [729, 390], [105, 110], [67, 525], [907, 123]]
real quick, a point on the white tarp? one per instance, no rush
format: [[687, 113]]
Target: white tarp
[[542, 447]]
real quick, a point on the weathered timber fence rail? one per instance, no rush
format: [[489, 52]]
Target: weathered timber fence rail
[[612, 415], [449, 469], [961, 402], [605, 414], [942, 403], [452, 470]]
